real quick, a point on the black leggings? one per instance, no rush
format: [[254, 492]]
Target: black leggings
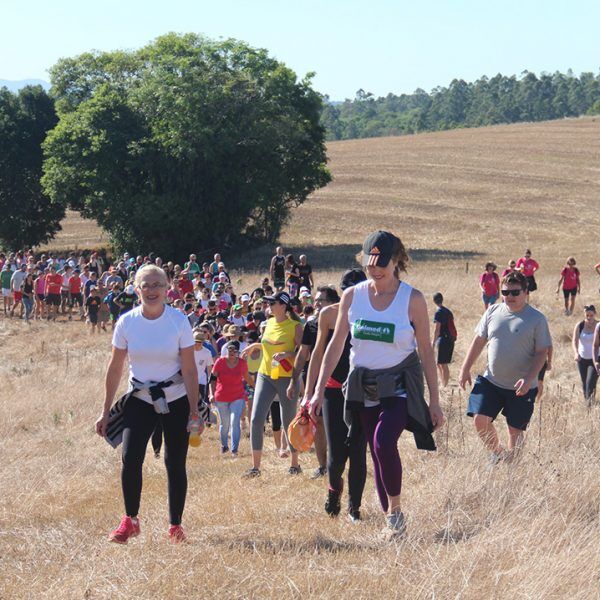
[[275, 416], [589, 377], [140, 420], [338, 452]]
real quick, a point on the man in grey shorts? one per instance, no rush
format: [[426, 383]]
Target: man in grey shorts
[[518, 340]]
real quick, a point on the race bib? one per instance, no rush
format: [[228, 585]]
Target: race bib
[[373, 331]]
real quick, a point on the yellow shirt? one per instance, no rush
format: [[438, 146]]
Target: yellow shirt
[[278, 337]]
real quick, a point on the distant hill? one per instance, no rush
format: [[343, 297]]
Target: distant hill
[[15, 86]]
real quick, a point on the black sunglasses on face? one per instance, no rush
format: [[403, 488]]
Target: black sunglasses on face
[[514, 293]]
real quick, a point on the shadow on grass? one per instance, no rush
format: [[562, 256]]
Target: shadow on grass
[[335, 256]]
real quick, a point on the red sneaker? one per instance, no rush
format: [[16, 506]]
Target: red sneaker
[[176, 534], [126, 529]]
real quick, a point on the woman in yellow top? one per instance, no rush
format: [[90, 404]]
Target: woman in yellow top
[[280, 339]]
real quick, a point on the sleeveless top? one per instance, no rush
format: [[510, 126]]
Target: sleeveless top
[[380, 338], [586, 345], [279, 267], [340, 373]]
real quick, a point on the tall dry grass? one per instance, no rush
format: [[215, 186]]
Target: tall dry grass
[[527, 530]]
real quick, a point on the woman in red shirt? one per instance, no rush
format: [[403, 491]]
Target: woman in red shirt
[[229, 394], [528, 267], [571, 286], [489, 282]]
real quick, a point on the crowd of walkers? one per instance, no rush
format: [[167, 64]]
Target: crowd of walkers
[[356, 356]]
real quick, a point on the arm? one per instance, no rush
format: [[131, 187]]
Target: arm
[[299, 362], [311, 280], [596, 348], [597, 268], [475, 349], [297, 343], [436, 333], [189, 371], [418, 315], [578, 283], [549, 356], [272, 269], [522, 386], [114, 372], [326, 323], [575, 342], [334, 350], [559, 283], [251, 350]]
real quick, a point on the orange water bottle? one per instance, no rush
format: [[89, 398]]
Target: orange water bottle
[[195, 440], [274, 369]]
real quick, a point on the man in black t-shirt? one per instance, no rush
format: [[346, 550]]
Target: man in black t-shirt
[[306, 277], [325, 296], [92, 307], [444, 337], [126, 300]]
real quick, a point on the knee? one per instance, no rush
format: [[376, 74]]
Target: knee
[[482, 422]]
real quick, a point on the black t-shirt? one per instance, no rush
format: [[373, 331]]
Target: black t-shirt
[[443, 316], [309, 338], [305, 271], [127, 300], [93, 304], [340, 373], [279, 267]]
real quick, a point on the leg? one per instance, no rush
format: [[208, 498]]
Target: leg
[[237, 407], [288, 412], [487, 432], [224, 420], [139, 420], [157, 436], [264, 393], [321, 443], [590, 383], [369, 419], [582, 367], [336, 433], [176, 448]]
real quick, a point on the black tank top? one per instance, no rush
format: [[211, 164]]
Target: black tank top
[[340, 373], [279, 267]]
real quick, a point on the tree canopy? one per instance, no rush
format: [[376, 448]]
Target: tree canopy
[[29, 217], [500, 99], [185, 143]]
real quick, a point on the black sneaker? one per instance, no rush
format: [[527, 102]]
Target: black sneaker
[[295, 470], [333, 504], [318, 473], [354, 515], [250, 473]]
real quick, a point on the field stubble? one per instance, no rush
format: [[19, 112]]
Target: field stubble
[[528, 530]]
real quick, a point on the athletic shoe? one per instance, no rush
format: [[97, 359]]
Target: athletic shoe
[[320, 472], [234, 453], [224, 449], [127, 528], [333, 504], [295, 470], [250, 473], [396, 523], [176, 534], [157, 455], [354, 515]]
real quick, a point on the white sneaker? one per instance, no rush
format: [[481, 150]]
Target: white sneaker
[[396, 523]]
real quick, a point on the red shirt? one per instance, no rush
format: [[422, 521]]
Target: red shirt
[[75, 284], [490, 283], [230, 382], [570, 278], [53, 283], [529, 266], [186, 286]]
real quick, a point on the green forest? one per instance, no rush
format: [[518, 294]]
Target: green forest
[[501, 99]]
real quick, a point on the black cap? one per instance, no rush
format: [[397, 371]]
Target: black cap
[[377, 249], [351, 278], [282, 297], [188, 306], [222, 315]]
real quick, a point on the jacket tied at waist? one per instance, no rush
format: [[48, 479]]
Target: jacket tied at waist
[[115, 425], [410, 373]]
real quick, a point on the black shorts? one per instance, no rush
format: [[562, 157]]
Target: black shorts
[[488, 399], [76, 299], [65, 294], [93, 317], [567, 293], [53, 299], [445, 351], [41, 297], [531, 284]]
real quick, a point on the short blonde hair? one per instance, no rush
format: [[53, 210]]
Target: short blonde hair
[[149, 270]]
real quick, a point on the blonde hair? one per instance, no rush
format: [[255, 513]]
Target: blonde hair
[[150, 270]]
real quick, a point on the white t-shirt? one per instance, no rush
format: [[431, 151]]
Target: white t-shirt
[[153, 347], [203, 361], [239, 321]]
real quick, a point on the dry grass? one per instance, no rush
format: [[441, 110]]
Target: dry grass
[[528, 530]]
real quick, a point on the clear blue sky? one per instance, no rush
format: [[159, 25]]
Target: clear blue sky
[[379, 45]]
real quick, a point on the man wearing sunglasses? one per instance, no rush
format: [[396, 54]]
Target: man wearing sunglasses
[[518, 341]]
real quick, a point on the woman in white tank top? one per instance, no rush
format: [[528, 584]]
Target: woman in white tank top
[[583, 348], [388, 322]]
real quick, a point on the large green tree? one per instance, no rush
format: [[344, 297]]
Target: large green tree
[[184, 144], [29, 217]]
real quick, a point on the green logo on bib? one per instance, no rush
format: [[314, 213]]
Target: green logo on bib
[[373, 331]]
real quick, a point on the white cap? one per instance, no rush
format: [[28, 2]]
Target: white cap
[[129, 289]]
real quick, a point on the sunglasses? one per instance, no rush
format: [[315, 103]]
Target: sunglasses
[[514, 293]]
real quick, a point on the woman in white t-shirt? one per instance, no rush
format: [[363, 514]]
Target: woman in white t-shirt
[[158, 341], [583, 349]]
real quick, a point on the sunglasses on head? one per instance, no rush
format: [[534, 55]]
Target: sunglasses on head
[[510, 292]]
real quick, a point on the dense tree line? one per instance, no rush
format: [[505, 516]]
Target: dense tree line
[[500, 99]]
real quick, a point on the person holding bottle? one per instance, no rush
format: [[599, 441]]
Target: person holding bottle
[[583, 350], [163, 386], [281, 337]]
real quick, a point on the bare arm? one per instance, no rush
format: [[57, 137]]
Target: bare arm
[[559, 283], [189, 371], [112, 380], [436, 332], [575, 342], [418, 315], [522, 386], [475, 349], [596, 348]]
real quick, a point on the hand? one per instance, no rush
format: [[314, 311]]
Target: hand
[[291, 390], [305, 401], [549, 366], [101, 424], [522, 387], [464, 378], [577, 358], [437, 416], [278, 356], [195, 423], [316, 405]]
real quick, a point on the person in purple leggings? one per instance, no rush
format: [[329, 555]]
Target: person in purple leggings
[[384, 392]]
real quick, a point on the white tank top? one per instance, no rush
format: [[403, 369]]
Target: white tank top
[[585, 346], [380, 338]]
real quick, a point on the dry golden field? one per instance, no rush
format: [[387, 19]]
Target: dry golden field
[[526, 530]]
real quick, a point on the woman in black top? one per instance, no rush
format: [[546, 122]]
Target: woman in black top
[[293, 275]]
